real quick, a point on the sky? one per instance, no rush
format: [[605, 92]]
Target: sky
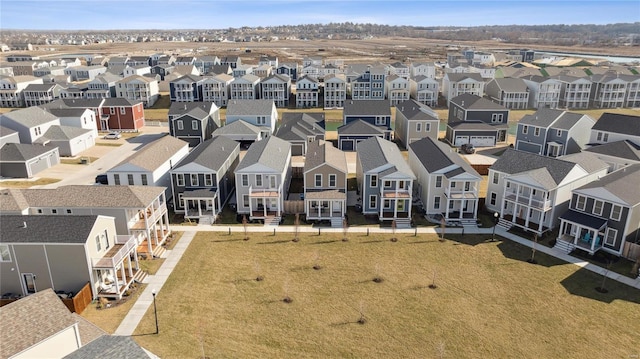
[[215, 14]]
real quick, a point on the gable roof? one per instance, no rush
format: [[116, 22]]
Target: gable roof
[[435, 155], [212, 153], [40, 87], [62, 133], [154, 154], [510, 84], [21, 152], [239, 127], [5, 131], [375, 152], [46, 229], [621, 149], [30, 116], [457, 77], [197, 109], [588, 161], [622, 183], [82, 196], [297, 126], [415, 111], [367, 108], [569, 119], [67, 112], [111, 347], [271, 152], [12, 201], [472, 102], [250, 107], [618, 123], [360, 127], [543, 117], [319, 152]]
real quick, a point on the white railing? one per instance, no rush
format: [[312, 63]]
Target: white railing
[[128, 243]]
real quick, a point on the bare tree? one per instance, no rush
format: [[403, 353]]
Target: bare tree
[[345, 229], [433, 281], [440, 350], [296, 228], [394, 226], [602, 288], [362, 318], [245, 225], [533, 249], [443, 226], [285, 287]]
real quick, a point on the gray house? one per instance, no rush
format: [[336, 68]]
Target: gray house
[[617, 154], [553, 132], [351, 134], [20, 160], [603, 214], [8, 135], [193, 122], [300, 129], [203, 181], [243, 132], [511, 93], [612, 127], [415, 121], [477, 121], [385, 181]]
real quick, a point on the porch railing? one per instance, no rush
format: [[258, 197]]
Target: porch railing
[[128, 243]]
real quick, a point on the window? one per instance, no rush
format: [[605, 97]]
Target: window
[[611, 235], [180, 179], [130, 179], [98, 243], [122, 111], [54, 211], [436, 202], [605, 137], [536, 131], [39, 210], [581, 201], [427, 127], [261, 120], [418, 127], [332, 180], [144, 179], [387, 204], [180, 200], [245, 180], [180, 124], [245, 200], [381, 121], [559, 133], [494, 197], [5, 254], [616, 212], [373, 201], [194, 179], [116, 179], [496, 178], [105, 237], [68, 211], [387, 184], [597, 207], [496, 117], [112, 110], [525, 129], [208, 180], [438, 181], [194, 125], [318, 180], [259, 180], [373, 181]]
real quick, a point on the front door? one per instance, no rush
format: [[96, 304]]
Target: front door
[[401, 205], [29, 283]]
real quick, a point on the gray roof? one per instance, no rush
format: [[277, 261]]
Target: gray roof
[[435, 155], [588, 161], [319, 152], [621, 149], [67, 112], [375, 152], [198, 109], [20, 152], [12, 201], [475, 126], [618, 123], [5, 131], [622, 183], [541, 118], [211, 153], [457, 77], [359, 127], [509, 84], [110, 347], [250, 107], [63, 133], [84, 103], [472, 102], [297, 126], [239, 127], [154, 154], [39, 87], [415, 111], [367, 108], [118, 101], [548, 171], [568, 120], [46, 229], [271, 152], [30, 116]]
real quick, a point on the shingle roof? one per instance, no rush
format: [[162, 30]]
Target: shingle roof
[[5, 131], [375, 152], [549, 171], [31, 320], [509, 84], [30, 116], [12, 201], [457, 77], [20, 152], [435, 155], [621, 149], [46, 229], [198, 110], [88, 331], [472, 102], [296, 126], [110, 347], [359, 127], [67, 112], [475, 126], [211, 153], [79, 196], [249, 107], [622, 183], [618, 123], [154, 154], [319, 152], [588, 161], [271, 152], [568, 120], [239, 127], [415, 111], [63, 133], [119, 101], [543, 117], [367, 108], [39, 87]]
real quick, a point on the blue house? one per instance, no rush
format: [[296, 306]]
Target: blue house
[[187, 88], [374, 112]]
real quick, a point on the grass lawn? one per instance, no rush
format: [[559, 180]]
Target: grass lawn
[[110, 318], [77, 161], [28, 184], [489, 302]]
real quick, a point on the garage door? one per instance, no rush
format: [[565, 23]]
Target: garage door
[[482, 141], [461, 140], [38, 165], [347, 145], [296, 150]]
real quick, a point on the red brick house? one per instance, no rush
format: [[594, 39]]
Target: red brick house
[[119, 114]]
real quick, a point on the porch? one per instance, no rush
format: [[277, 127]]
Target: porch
[[117, 269], [153, 248], [582, 230], [201, 204], [396, 208], [324, 205], [265, 202], [527, 225]]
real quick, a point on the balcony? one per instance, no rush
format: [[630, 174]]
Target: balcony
[[268, 192], [533, 202], [124, 245], [393, 193], [454, 193], [152, 214]]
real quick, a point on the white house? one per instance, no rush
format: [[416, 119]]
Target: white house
[[261, 113]]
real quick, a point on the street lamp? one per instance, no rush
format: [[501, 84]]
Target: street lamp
[[496, 217], [155, 311]]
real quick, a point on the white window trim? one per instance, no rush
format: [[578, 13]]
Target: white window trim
[[601, 207], [197, 181], [208, 179], [244, 180], [180, 125], [436, 182], [333, 178], [619, 212], [493, 197], [584, 203], [180, 179], [8, 251], [373, 181], [261, 180], [317, 177], [373, 199], [194, 124], [615, 235], [387, 204], [536, 131], [437, 202], [525, 129]]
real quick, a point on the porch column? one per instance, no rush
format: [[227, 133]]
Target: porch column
[[446, 211], [475, 208], [409, 205], [541, 222], [166, 220], [200, 207], [115, 279], [576, 236], [130, 266], [124, 276], [149, 228], [515, 206], [395, 206], [593, 239], [264, 206], [135, 257]]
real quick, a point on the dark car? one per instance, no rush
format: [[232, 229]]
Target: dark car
[[467, 148], [102, 179]]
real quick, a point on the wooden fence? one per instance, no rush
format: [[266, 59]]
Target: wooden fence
[[293, 206], [631, 251], [482, 170], [297, 172], [81, 300]]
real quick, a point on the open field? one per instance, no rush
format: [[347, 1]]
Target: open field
[[489, 302]]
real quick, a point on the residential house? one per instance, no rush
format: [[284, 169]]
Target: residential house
[[327, 70], [76, 117], [425, 90], [84, 73], [193, 122], [300, 129], [233, 61], [121, 114], [116, 61], [139, 211], [477, 121], [11, 88], [38, 94], [511, 93], [138, 60], [206, 63], [603, 214], [446, 184], [385, 181], [102, 86], [456, 84], [271, 61], [31, 122], [290, 69], [544, 92], [150, 165], [24, 68], [530, 191], [632, 99], [203, 181], [216, 89], [617, 154], [399, 69], [351, 134], [325, 183], [313, 71], [608, 91], [426, 69], [553, 132], [112, 347], [74, 91], [262, 180], [243, 132], [138, 88], [307, 92], [415, 121], [244, 88], [21, 160], [242, 70], [398, 89], [335, 91], [261, 113], [162, 70], [375, 112], [263, 71], [185, 60], [612, 127], [187, 88], [575, 92], [8, 135], [277, 88], [312, 61], [370, 84]]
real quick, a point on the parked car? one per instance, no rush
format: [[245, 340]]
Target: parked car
[[467, 148], [112, 136], [102, 179]]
